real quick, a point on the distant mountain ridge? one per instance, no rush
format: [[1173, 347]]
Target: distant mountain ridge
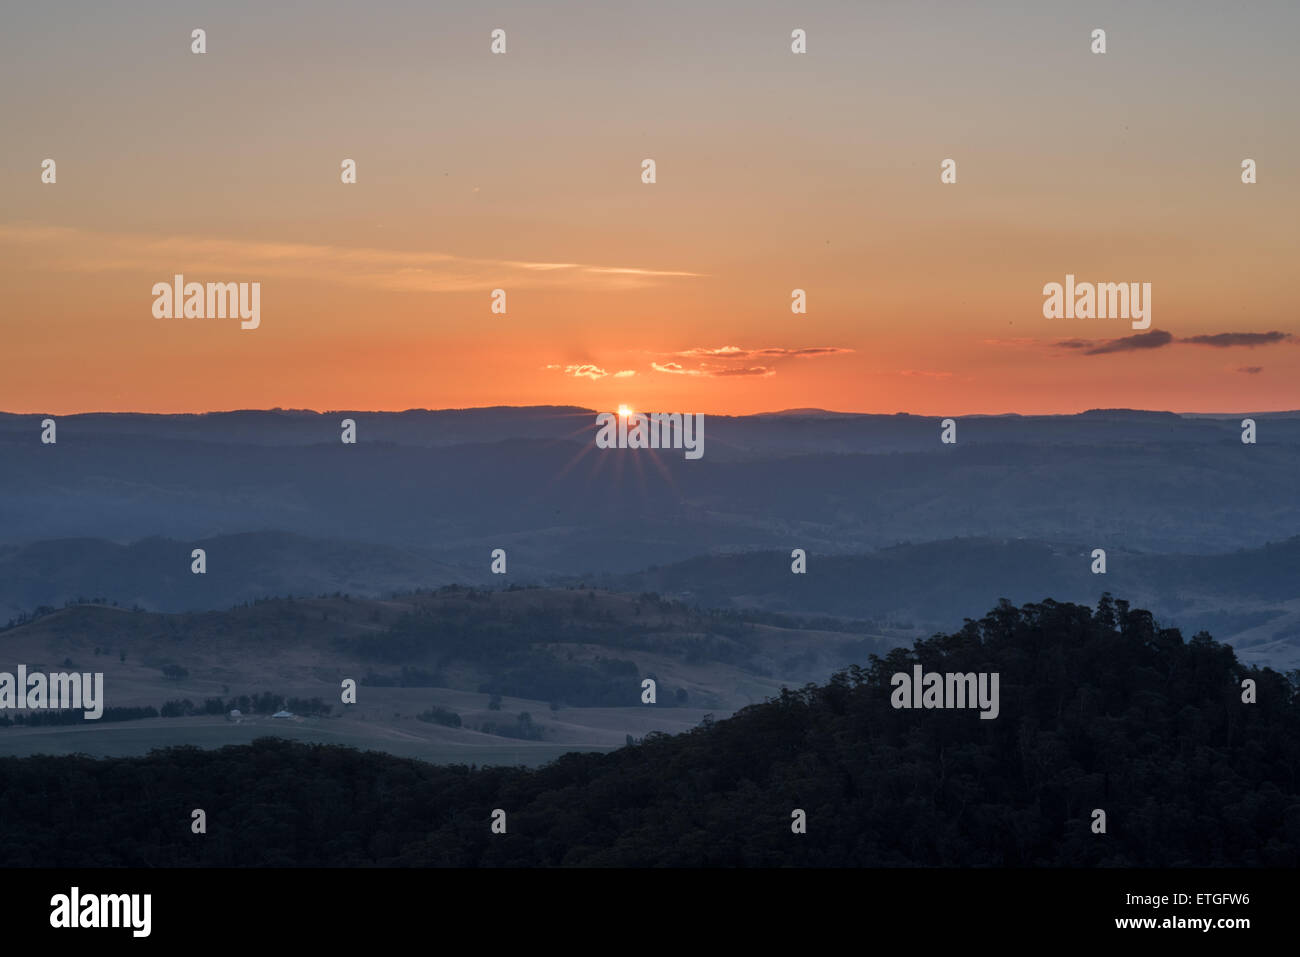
[[461, 483], [433, 427]]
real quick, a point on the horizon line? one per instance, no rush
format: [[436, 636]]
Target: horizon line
[[809, 412]]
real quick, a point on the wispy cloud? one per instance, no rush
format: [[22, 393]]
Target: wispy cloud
[[623, 271], [761, 371], [736, 352], [66, 249], [676, 368], [1251, 370], [582, 371], [714, 362]]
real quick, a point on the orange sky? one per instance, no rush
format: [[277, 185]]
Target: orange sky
[[522, 172]]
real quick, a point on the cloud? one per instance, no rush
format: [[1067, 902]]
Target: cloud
[[1251, 370], [739, 354], [588, 370], [676, 368], [736, 352], [67, 249], [583, 371], [802, 353], [620, 271], [541, 267], [1154, 339], [722, 352], [1158, 338], [1223, 340]]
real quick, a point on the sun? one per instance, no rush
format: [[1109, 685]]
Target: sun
[[624, 411]]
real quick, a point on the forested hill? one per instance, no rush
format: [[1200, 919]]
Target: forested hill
[[1099, 709]]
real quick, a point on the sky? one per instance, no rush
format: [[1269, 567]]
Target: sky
[[775, 172]]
